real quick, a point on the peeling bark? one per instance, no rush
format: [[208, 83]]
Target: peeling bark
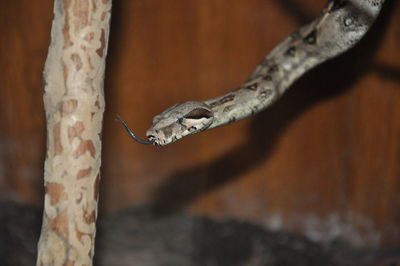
[[74, 102]]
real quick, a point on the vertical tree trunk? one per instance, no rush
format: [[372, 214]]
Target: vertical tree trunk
[[74, 102]]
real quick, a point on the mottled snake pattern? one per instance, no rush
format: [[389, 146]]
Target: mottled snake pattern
[[339, 27]]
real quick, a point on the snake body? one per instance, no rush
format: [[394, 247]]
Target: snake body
[[339, 27]]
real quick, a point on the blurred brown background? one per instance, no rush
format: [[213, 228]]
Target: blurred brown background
[[324, 160]]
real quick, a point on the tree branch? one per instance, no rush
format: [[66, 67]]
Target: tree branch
[[74, 103]]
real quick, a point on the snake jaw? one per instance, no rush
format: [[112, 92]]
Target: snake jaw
[[179, 121]]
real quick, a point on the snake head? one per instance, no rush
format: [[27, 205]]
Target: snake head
[[178, 121]]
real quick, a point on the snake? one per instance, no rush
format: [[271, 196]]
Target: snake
[[340, 25]]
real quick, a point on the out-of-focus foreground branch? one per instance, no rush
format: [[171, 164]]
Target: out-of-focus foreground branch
[[74, 102]]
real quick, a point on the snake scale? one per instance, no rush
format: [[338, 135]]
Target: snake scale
[[341, 24]]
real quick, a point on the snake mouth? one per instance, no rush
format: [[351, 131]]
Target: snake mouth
[[153, 140]]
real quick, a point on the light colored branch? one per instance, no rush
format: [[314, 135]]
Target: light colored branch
[[74, 102]]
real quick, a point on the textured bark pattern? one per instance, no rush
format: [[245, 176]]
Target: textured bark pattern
[[74, 102]]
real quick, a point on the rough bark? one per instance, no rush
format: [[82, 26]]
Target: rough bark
[[74, 102]]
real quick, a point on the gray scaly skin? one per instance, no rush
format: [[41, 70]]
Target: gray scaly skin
[[340, 26]]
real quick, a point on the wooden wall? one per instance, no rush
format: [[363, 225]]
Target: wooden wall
[[324, 160]]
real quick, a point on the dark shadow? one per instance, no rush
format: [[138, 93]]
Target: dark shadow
[[388, 72], [135, 237], [333, 78]]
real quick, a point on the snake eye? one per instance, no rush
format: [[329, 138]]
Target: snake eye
[[199, 113], [180, 121]]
